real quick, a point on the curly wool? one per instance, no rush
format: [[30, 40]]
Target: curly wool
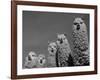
[[31, 60], [52, 62], [81, 57], [63, 56], [63, 52], [80, 42]]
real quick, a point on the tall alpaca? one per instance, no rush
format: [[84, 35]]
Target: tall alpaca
[[64, 54], [80, 42]]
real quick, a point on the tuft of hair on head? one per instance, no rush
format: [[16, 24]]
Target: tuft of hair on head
[[82, 18], [48, 42]]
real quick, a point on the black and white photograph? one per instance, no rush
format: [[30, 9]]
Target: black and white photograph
[[53, 39]]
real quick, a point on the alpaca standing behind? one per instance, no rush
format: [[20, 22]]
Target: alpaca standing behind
[[80, 42]]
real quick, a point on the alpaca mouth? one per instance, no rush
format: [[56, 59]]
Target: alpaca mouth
[[52, 50], [29, 58], [78, 27], [61, 41], [41, 61]]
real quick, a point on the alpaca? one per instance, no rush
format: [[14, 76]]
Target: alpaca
[[52, 49], [31, 60], [64, 51], [80, 42]]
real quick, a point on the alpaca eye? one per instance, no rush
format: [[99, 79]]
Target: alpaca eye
[[81, 22], [33, 55], [75, 23], [58, 39], [55, 46], [43, 58], [64, 38]]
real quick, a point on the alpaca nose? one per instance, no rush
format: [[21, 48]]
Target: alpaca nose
[[61, 41], [40, 61], [52, 50], [29, 58], [78, 27]]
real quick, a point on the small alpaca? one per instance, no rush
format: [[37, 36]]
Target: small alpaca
[[31, 60], [52, 49], [41, 61]]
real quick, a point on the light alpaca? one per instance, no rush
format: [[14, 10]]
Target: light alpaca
[[41, 61], [52, 49], [31, 60], [80, 42], [64, 52]]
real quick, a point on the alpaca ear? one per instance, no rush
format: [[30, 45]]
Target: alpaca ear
[[82, 18], [48, 42], [65, 34], [74, 18], [57, 34]]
